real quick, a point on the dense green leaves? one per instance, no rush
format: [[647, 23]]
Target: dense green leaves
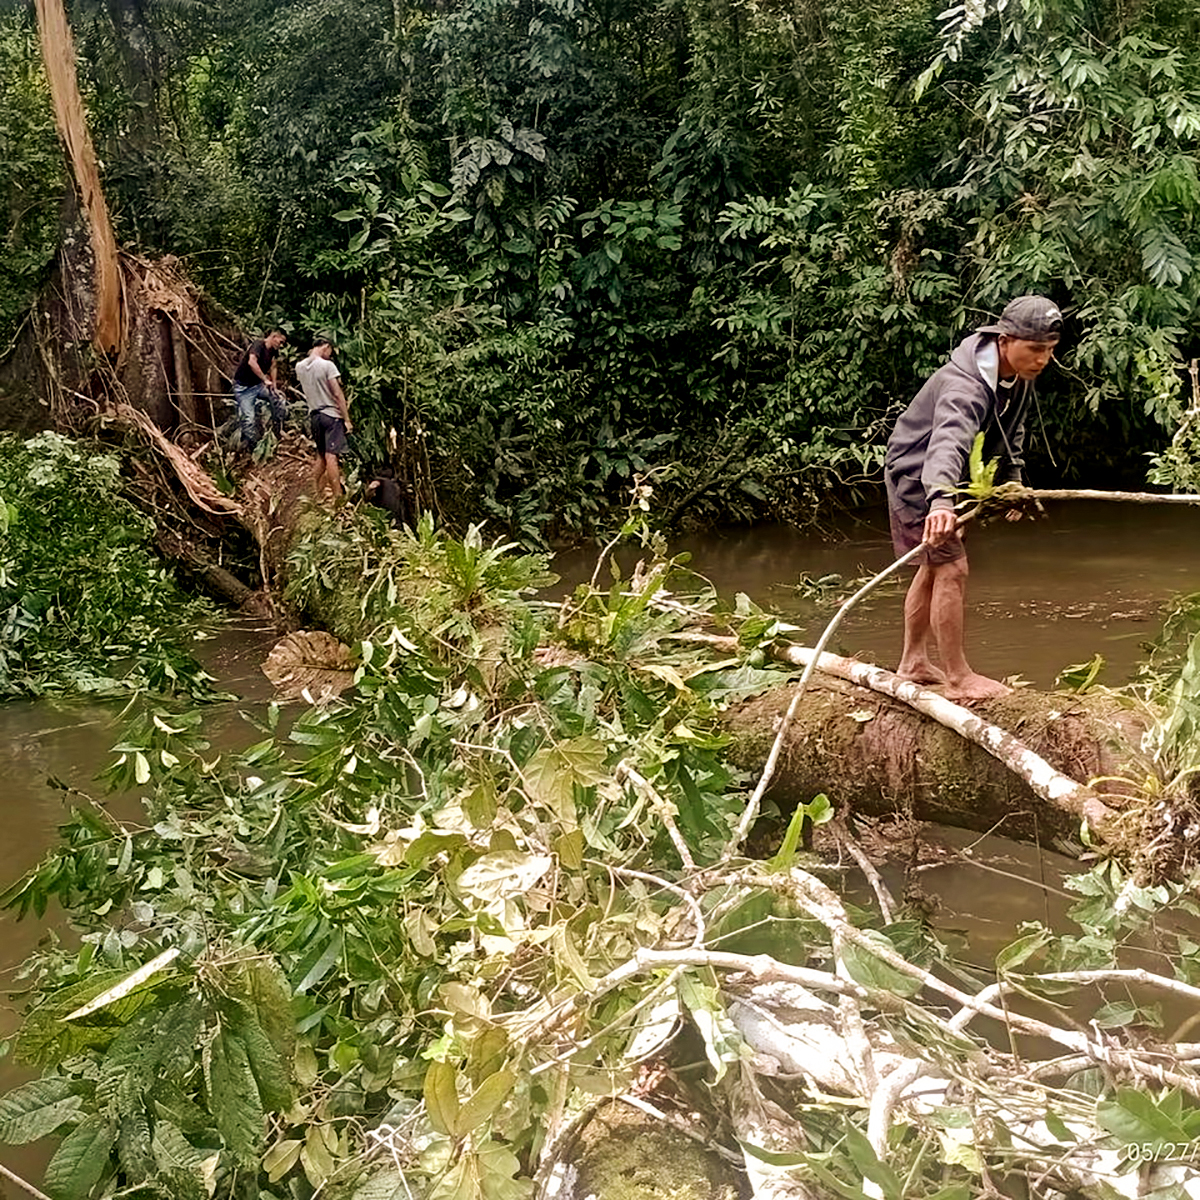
[[33, 180], [233, 1092], [561, 249], [328, 912], [81, 1159], [85, 604], [372, 935]]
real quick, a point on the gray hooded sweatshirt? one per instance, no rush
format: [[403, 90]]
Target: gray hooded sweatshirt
[[928, 451]]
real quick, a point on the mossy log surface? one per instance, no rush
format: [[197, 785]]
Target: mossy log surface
[[878, 757], [622, 1154]]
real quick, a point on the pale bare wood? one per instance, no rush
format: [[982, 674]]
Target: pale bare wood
[[58, 54], [195, 479], [1093, 494], [185, 396]]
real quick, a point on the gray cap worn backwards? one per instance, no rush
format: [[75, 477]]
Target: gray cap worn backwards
[[1031, 318]]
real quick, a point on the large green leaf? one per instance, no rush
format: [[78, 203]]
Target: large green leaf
[[270, 1074], [553, 773], [36, 1109], [281, 1158], [867, 1161], [503, 873], [47, 1038], [268, 994], [134, 1145], [441, 1098], [80, 1161], [233, 1095], [1024, 948], [173, 1152], [1132, 1116], [319, 961], [485, 1100], [872, 972]]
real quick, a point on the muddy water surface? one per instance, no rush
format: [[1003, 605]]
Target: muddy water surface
[[1087, 578], [69, 743]]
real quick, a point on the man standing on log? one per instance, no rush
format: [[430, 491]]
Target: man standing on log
[[328, 411], [986, 386], [254, 383]]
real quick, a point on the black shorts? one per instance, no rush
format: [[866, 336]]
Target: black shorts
[[907, 534], [329, 433]]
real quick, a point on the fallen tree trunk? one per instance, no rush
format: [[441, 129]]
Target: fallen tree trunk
[[880, 757], [1047, 783]]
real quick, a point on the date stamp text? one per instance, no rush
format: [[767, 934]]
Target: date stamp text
[[1153, 1152]]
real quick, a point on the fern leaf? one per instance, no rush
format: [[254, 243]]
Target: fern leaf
[[982, 475]]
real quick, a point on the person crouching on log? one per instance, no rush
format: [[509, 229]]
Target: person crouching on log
[[329, 414], [986, 386]]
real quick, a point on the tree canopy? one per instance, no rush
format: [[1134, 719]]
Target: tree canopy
[[562, 243]]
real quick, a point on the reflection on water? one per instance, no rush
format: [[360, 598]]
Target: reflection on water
[[1043, 594]]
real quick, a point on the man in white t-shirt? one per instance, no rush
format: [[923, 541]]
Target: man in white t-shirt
[[328, 412]]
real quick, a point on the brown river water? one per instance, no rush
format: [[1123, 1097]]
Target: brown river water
[[1043, 595]]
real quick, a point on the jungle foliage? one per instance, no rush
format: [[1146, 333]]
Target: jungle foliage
[[386, 949], [86, 604], [562, 242]]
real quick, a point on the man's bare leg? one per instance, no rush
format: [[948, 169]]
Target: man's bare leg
[[334, 474], [319, 476], [946, 610], [915, 661]]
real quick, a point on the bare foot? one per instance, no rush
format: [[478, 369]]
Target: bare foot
[[921, 670], [975, 687]]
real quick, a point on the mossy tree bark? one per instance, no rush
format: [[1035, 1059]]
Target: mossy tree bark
[[879, 757]]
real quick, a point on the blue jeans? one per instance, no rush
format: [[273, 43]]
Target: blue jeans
[[249, 400]]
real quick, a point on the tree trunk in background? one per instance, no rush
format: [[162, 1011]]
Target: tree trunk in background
[[97, 299]]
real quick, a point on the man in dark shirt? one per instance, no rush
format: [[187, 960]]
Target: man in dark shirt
[[385, 492], [254, 385]]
